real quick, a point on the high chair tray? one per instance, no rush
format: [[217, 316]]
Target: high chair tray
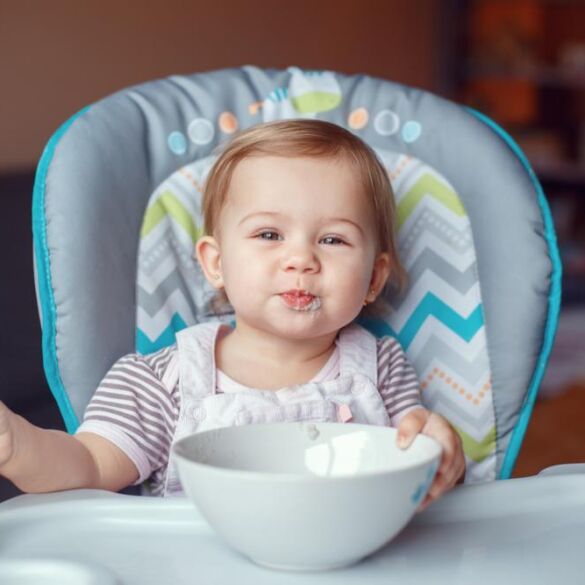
[[526, 530]]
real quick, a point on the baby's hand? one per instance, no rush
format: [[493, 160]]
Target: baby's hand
[[6, 437], [452, 467]]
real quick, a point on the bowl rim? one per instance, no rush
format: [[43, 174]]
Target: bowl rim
[[254, 475]]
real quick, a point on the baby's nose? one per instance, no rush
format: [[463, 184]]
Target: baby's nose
[[301, 259]]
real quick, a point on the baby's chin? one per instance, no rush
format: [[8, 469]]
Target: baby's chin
[[303, 326]]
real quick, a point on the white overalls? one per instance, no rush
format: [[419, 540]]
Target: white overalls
[[353, 395]]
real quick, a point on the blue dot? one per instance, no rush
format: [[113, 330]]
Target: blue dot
[[411, 131], [177, 142]]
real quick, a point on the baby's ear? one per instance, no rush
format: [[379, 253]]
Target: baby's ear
[[208, 255], [380, 272]]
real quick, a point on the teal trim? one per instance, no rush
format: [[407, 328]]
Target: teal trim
[[431, 305], [554, 303], [44, 283], [377, 327], [145, 345]]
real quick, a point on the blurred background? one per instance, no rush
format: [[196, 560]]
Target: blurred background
[[521, 62]]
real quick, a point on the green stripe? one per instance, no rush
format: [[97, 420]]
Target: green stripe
[[315, 101], [168, 204], [478, 450], [429, 185]]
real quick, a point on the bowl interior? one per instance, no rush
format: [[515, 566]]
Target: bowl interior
[[305, 449]]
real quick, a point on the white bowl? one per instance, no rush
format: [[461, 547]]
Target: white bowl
[[306, 496]]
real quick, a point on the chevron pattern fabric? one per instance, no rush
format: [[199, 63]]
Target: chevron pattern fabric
[[438, 319], [171, 291]]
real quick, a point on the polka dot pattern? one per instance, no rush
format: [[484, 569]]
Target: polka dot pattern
[[386, 123], [228, 123], [177, 143], [449, 381], [358, 119], [201, 131], [411, 131]]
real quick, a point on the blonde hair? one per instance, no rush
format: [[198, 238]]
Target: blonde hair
[[310, 138]]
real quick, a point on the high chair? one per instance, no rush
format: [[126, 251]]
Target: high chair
[[116, 212]]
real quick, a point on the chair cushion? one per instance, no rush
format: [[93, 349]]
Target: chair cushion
[[438, 320], [101, 168]]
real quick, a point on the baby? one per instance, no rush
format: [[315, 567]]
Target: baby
[[300, 241]]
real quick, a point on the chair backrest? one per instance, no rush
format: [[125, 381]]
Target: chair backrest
[[116, 211]]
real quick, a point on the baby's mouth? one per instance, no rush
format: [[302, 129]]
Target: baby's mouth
[[300, 300]]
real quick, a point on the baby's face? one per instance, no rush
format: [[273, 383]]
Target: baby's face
[[298, 245]]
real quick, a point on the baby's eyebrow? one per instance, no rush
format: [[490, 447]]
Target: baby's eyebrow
[[255, 213], [345, 220], [327, 220]]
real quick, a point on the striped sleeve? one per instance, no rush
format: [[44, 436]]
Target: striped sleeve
[[397, 381], [133, 409]]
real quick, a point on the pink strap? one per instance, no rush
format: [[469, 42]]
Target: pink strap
[[344, 413]]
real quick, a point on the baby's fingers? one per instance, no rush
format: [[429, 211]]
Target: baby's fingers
[[452, 465], [3, 418], [440, 430], [410, 426], [444, 480], [440, 485], [453, 462], [6, 440]]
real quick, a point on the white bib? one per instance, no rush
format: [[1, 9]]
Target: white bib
[[353, 395]]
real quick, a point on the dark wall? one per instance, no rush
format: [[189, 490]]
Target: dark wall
[[22, 383], [56, 57]]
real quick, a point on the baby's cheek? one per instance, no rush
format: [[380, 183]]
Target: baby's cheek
[[244, 289], [236, 268], [355, 280]]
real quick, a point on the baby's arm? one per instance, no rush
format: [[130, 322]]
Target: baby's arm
[[43, 460], [452, 466], [400, 391]]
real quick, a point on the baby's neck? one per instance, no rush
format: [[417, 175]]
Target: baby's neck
[[259, 360]]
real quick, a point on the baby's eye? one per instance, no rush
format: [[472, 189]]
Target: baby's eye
[[268, 235], [332, 241]]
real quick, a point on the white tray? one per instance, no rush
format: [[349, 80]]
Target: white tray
[[525, 531]]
